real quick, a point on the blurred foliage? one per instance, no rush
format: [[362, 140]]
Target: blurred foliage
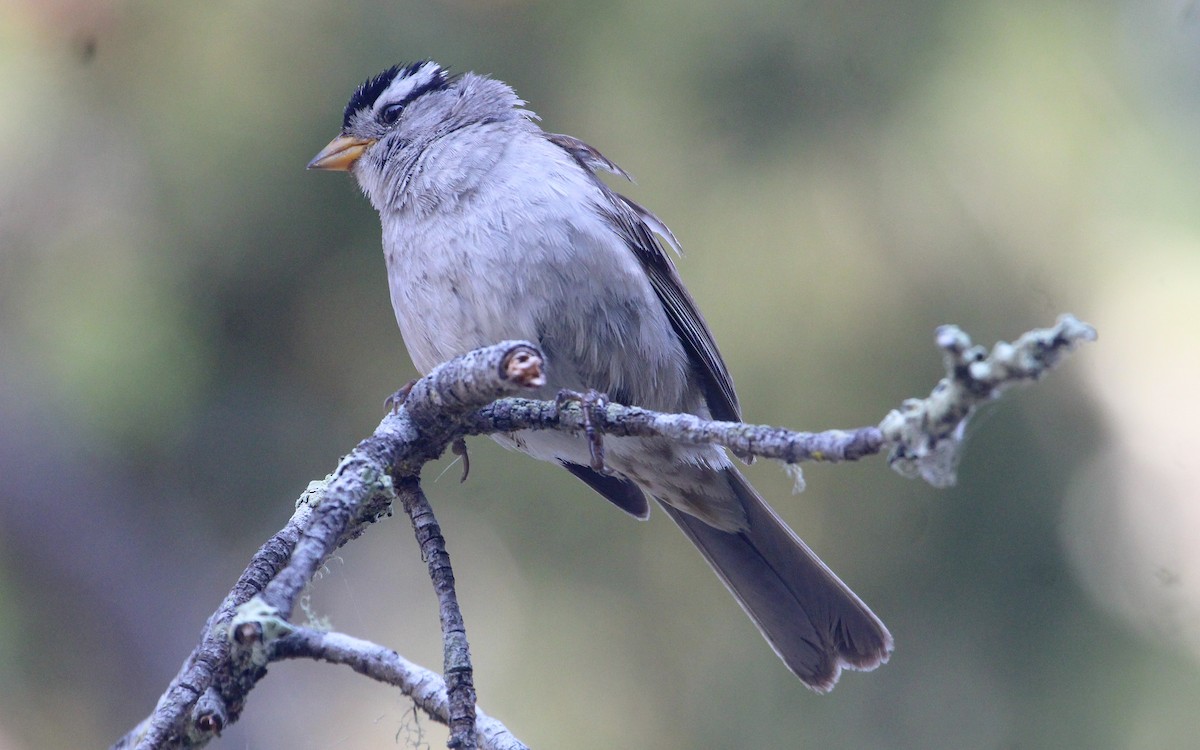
[[192, 328]]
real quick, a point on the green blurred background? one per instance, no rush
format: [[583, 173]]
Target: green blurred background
[[192, 327]]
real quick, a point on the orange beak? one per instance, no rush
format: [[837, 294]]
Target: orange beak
[[341, 153]]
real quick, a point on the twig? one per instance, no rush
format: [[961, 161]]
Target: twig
[[460, 680], [616, 419], [925, 436], [426, 688]]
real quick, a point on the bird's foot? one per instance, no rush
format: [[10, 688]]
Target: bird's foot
[[591, 405], [393, 402]]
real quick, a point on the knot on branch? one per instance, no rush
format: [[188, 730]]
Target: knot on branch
[[524, 366], [210, 714], [474, 379], [254, 628]]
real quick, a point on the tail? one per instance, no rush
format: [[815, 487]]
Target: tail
[[812, 620]]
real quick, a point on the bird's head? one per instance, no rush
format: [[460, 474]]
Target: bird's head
[[392, 117]]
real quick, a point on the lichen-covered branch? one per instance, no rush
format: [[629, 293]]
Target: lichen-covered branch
[[474, 395], [460, 676], [426, 688], [616, 419], [359, 491], [925, 436], [180, 719]]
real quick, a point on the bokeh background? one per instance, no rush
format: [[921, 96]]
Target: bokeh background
[[192, 327]]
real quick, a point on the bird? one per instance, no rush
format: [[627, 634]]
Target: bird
[[494, 230]]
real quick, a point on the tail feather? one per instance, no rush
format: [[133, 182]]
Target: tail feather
[[812, 620]]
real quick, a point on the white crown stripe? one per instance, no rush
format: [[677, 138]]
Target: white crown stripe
[[403, 87]]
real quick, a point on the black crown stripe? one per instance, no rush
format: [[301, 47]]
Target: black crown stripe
[[365, 96]]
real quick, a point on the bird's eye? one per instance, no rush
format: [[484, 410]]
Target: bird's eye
[[391, 113]]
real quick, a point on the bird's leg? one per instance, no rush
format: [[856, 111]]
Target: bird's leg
[[591, 405], [393, 402]]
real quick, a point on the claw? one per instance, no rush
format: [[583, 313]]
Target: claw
[[459, 448], [591, 405], [393, 402]]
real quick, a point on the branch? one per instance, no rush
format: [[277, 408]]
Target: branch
[[460, 678], [458, 398], [200, 669], [923, 437], [426, 688], [328, 515]]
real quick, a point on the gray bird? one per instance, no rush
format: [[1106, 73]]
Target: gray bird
[[494, 229]]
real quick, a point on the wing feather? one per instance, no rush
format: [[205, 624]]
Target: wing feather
[[639, 227]]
